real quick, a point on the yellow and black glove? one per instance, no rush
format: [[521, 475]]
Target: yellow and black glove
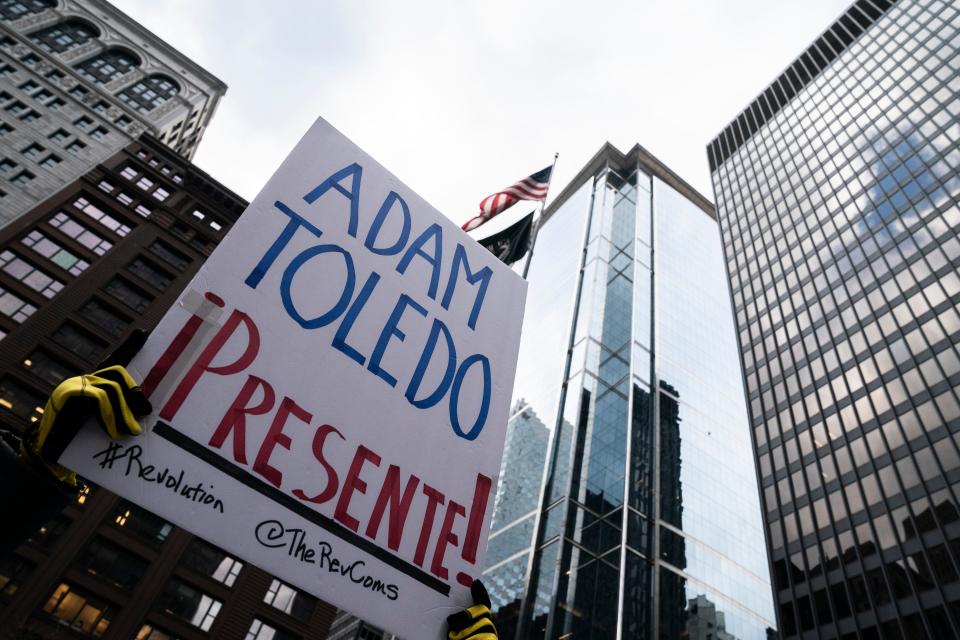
[[109, 394], [473, 623]]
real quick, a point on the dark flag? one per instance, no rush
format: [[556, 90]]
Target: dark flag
[[512, 243]]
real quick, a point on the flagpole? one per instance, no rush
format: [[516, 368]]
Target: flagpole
[[536, 222]]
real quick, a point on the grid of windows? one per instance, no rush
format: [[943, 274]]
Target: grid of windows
[[189, 603], [85, 613], [64, 36], [14, 9], [36, 279], [69, 226], [840, 220], [289, 600], [107, 66], [149, 93], [51, 250]]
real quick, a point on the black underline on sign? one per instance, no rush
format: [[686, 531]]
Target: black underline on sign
[[196, 449]]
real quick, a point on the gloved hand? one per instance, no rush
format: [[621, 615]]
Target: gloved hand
[[473, 623], [109, 394]]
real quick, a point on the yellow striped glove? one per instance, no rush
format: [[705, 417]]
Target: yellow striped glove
[[110, 394], [473, 623]]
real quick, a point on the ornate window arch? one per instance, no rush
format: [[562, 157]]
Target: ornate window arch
[[149, 93], [15, 9], [108, 65], [65, 35]]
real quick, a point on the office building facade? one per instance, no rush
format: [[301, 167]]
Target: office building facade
[[80, 80], [107, 254], [837, 192], [647, 521]]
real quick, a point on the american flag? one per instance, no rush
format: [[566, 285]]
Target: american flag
[[533, 187]]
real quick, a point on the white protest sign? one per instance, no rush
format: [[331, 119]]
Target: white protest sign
[[331, 393]]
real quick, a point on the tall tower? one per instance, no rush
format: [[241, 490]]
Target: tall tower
[[837, 192], [79, 81], [649, 513]]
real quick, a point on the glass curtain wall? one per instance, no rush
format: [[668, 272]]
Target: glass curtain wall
[[649, 522]]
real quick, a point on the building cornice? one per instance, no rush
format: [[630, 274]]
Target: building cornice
[[625, 163]]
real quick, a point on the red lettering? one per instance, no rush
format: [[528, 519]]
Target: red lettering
[[275, 436], [175, 350], [481, 493], [399, 506], [235, 419], [434, 498], [447, 536], [353, 483], [333, 482], [203, 363]]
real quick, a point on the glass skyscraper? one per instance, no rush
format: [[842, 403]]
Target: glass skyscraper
[[644, 521], [837, 192]]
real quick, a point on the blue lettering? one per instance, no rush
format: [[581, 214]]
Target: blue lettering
[[278, 245], [355, 171], [482, 276], [416, 248], [391, 330], [484, 402], [287, 281], [417, 379], [340, 338], [374, 231]]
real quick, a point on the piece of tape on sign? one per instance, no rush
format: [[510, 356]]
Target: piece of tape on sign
[[206, 310]]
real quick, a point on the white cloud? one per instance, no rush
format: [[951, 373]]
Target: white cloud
[[462, 98]]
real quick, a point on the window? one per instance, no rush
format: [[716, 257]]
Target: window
[[33, 151], [30, 116], [83, 122], [50, 161], [150, 632], [143, 211], [64, 36], [13, 571], [111, 563], [70, 227], [199, 215], [287, 599], [7, 165], [145, 183], [99, 133], [29, 275], [204, 558], [14, 307], [79, 92], [142, 524], [105, 318], [82, 611], [123, 121], [107, 66], [59, 136], [169, 255], [5, 129], [149, 93], [14, 9], [56, 104], [150, 274], [79, 342], [76, 147], [17, 108], [106, 186], [21, 401], [23, 178], [47, 535], [47, 368], [129, 295], [124, 199], [97, 214], [29, 87], [59, 256], [260, 630], [129, 172], [188, 603], [161, 194]]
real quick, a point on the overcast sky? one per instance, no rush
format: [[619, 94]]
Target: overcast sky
[[462, 98]]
